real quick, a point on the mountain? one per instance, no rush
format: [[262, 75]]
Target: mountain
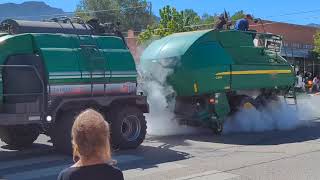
[[30, 10], [314, 25]]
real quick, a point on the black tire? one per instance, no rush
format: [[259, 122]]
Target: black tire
[[238, 102], [262, 101], [61, 133], [128, 127], [19, 136]]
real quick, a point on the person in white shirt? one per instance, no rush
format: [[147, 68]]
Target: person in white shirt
[[300, 84]]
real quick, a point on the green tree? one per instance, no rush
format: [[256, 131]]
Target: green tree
[[191, 17], [317, 43], [171, 21], [238, 15], [132, 14], [208, 19], [80, 11], [135, 18]]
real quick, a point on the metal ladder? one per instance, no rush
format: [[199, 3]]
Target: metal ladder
[[291, 95], [85, 48]]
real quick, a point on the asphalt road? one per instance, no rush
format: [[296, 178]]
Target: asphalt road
[[293, 154]]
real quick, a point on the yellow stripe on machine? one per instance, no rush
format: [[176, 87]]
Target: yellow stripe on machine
[[254, 72], [195, 87]]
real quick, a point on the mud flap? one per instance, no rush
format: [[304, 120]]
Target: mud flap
[[222, 107]]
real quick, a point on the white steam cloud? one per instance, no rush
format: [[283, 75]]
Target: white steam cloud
[[276, 116], [161, 98]]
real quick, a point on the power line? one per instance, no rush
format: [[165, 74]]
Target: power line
[[72, 13], [263, 24], [190, 26], [294, 13], [208, 24], [255, 25], [143, 6]]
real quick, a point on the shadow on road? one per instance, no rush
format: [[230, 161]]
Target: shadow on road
[[10, 153], [143, 157], [151, 157], [276, 137]]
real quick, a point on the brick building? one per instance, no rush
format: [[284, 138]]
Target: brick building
[[298, 42], [132, 44]]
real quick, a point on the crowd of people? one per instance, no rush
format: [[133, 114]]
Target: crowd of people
[[307, 82]]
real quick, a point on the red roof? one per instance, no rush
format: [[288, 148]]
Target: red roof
[[292, 33]]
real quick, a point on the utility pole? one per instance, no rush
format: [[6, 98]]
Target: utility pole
[[149, 5]]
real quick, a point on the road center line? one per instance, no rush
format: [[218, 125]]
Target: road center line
[[209, 175]]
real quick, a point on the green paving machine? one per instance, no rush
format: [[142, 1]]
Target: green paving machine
[[216, 73], [53, 70]]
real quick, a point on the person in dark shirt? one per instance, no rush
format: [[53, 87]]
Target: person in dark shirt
[[243, 24], [91, 150]]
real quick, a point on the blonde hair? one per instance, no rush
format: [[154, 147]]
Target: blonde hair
[[91, 135]]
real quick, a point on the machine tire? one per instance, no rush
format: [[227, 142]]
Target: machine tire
[[246, 100], [127, 133], [19, 136], [61, 135], [263, 101]]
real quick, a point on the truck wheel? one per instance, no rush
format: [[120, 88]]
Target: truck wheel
[[247, 103], [19, 136], [61, 133], [262, 101], [128, 128]]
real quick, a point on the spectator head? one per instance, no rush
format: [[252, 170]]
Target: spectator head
[[249, 17], [90, 136]]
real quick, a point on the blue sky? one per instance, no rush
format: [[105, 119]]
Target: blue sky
[[267, 9]]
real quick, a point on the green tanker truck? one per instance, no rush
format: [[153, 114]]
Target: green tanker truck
[[53, 70], [216, 73]]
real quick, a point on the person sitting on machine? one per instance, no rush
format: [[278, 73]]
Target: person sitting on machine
[[243, 24]]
